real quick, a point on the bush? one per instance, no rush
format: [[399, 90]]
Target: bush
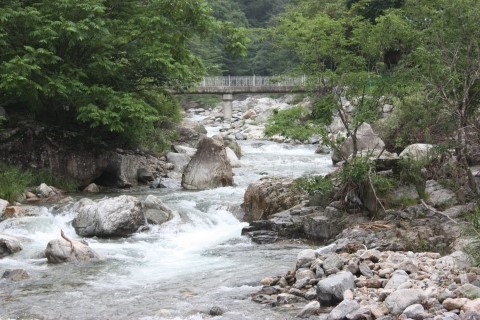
[[293, 123], [473, 230], [13, 182]]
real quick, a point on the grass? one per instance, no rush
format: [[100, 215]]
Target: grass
[[14, 181]]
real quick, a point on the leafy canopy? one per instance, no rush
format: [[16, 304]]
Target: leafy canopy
[[97, 62]]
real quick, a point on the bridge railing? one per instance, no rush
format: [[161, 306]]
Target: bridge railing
[[251, 81]]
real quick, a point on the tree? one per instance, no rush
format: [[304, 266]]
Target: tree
[[108, 64], [448, 63]]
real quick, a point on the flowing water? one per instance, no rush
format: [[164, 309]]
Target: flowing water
[[178, 270]]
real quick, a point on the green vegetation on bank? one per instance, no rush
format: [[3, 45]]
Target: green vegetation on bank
[[14, 181]]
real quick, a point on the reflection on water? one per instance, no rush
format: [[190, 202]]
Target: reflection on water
[[174, 271]]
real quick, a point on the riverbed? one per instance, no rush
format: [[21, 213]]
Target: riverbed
[[178, 270]]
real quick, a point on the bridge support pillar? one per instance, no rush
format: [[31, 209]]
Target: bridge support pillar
[[227, 106]]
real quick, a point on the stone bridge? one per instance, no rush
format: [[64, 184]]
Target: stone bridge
[[230, 85]]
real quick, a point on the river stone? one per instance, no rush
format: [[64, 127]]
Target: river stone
[[472, 306], [310, 309], [305, 274], [343, 309], [287, 298], [92, 188], [190, 152], [3, 205], [209, 168], [398, 278], [330, 290], [155, 211], [179, 161], [333, 261], [399, 300], [232, 157], [60, 250], [365, 270], [414, 311], [9, 245], [305, 258], [45, 191], [458, 259], [469, 291], [16, 275], [112, 217]]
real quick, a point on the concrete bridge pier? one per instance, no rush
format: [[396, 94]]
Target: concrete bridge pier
[[227, 106]]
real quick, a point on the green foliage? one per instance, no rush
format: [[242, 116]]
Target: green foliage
[[13, 182], [473, 231], [293, 123], [315, 184], [91, 63]]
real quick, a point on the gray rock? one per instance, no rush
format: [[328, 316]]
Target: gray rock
[[310, 309], [3, 205], [190, 152], [330, 290], [9, 245], [209, 168], [179, 161], [269, 196], [16, 275], [458, 259], [331, 248], [44, 191], [366, 140], [113, 217], [215, 311], [92, 188], [287, 298], [305, 258], [365, 270], [438, 196], [333, 261], [417, 151], [155, 211], [325, 225], [398, 278], [399, 300], [468, 291], [240, 136], [341, 311], [61, 250], [413, 311], [304, 274], [232, 157], [144, 175]]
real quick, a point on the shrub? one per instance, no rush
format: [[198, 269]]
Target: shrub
[[13, 182]]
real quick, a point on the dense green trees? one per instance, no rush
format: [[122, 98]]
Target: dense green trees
[[423, 56], [103, 63]]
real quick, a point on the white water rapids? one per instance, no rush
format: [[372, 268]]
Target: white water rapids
[[178, 270]]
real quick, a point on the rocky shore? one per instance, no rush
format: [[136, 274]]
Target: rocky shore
[[370, 284]]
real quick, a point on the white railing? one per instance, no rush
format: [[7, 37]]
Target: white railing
[[252, 81]]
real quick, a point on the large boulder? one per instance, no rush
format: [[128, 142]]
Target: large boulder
[[324, 225], [113, 217], [155, 211], [232, 157], [439, 196], [9, 245], [366, 140], [209, 168], [269, 196], [66, 250]]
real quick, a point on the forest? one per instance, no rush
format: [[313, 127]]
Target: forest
[[107, 69]]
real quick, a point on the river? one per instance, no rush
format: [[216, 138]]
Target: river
[[178, 270]]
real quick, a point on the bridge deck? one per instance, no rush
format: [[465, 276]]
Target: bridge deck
[[250, 84]]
